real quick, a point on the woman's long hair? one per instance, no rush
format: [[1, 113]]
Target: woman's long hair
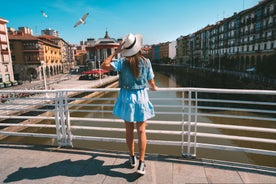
[[134, 63]]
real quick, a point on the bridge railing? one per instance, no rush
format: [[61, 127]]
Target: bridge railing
[[189, 119]]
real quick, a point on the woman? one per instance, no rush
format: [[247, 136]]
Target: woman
[[133, 105]]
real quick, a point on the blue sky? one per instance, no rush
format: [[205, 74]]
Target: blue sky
[[157, 20]]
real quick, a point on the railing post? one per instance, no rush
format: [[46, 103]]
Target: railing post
[[183, 122], [62, 119], [188, 154], [195, 125]]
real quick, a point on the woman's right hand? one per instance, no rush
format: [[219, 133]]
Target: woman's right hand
[[120, 47]]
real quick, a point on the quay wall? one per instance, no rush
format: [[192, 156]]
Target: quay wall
[[197, 77]]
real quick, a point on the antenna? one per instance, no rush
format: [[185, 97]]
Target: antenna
[[242, 4]]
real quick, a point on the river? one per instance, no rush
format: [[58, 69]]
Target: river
[[162, 81]]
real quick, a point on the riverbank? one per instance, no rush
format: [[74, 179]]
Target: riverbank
[[64, 81], [209, 78]]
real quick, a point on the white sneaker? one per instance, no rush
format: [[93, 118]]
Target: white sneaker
[[132, 160], [141, 168]]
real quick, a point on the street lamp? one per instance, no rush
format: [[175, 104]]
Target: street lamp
[[44, 75]]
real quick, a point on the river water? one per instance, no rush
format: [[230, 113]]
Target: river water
[[162, 81]]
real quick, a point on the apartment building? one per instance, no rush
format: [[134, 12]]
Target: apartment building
[[30, 54], [238, 42], [163, 51], [6, 70], [182, 49], [67, 61], [50, 31]]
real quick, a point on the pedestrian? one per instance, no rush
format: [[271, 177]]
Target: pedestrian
[[132, 104]]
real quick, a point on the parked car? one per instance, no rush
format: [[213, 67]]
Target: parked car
[[7, 84], [14, 83], [2, 85], [20, 82]]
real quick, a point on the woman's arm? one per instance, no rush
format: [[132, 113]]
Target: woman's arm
[[153, 87], [106, 64]]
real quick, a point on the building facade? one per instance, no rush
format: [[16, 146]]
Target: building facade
[[238, 42], [50, 31], [65, 49], [32, 55], [163, 52], [98, 51], [6, 70]]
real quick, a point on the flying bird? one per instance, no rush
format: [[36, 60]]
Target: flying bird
[[82, 20], [44, 14]]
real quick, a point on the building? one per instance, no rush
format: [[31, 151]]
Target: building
[[50, 31], [182, 50], [163, 52], [172, 50], [6, 70], [98, 51], [65, 49], [32, 55], [238, 42]]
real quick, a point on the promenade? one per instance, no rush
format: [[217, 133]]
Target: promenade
[[31, 164], [26, 164], [65, 81]]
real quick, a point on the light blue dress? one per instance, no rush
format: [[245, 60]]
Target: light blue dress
[[132, 104]]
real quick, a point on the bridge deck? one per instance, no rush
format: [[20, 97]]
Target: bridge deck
[[45, 164]]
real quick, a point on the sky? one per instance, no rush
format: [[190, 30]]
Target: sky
[[157, 20]]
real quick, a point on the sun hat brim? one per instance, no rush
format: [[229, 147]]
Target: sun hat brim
[[136, 47]]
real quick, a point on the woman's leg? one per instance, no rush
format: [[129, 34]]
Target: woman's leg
[[130, 137], [142, 139]]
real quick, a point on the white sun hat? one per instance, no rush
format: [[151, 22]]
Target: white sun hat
[[132, 45]]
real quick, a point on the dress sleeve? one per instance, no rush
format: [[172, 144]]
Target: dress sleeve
[[117, 64], [150, 74]]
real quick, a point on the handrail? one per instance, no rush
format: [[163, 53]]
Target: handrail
[[188, 113]]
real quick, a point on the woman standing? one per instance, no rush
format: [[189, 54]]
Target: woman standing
[[133, 105]]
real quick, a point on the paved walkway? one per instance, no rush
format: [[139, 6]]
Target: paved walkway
[[44, 164], [64, 81]]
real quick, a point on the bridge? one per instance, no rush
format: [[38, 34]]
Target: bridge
[[182, 125]]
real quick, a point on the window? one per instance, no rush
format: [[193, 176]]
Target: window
[[6, 68], [7, 77], [6, 58], [2, 27]]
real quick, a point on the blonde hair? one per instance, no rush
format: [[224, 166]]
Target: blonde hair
[[134, 64]]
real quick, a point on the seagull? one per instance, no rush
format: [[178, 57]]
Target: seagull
[[82, 20], [44, 14]]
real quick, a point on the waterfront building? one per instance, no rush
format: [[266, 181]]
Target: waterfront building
[[6, 70], [238, 42], [163, 51], [98, 51], [30, 54], [172, 50], [65, 49], [182, 49]]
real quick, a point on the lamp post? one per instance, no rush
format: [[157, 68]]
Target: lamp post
[[44, 75]]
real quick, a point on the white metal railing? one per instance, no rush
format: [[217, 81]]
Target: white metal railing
[[195, 117]]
